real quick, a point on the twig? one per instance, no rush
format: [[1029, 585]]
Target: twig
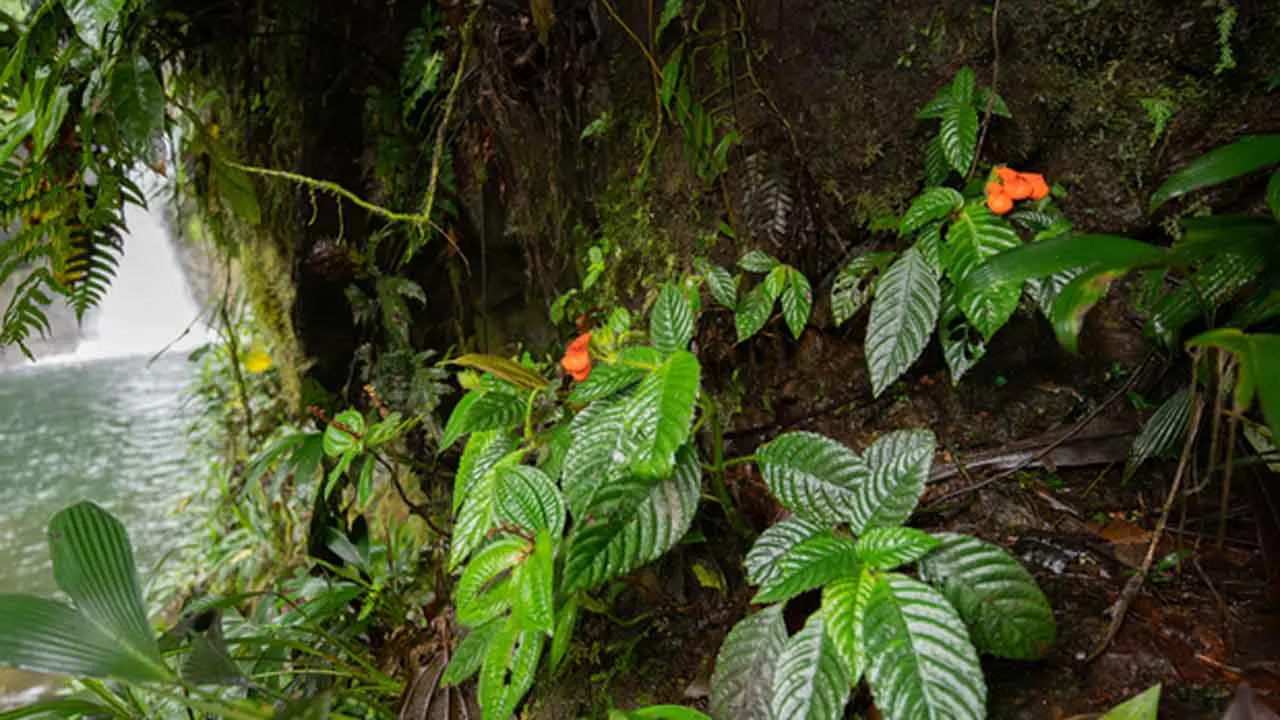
[[1134, 585], [995, 84]]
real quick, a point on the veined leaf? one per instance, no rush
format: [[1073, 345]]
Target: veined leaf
[[936, 167], [816, 477], [723, 286], [658, 712], [1143, 706], [482, 410], [1076, 300], [1059, 253], [504, 369], [48, 636], [810, 680], [757, 262], [762, 561], [810, 564], [997, 598], [856, 283], [528, 499], [478, 514], [483, 451], [959, 135], [605, 550], [963, 86], [935, 203], [929, 243], [91, 18], [962, 344], [1045, 291], [776, 280], [974, 236], [797, 302], [941, 101], [844, 605], [671, 322], [344, 433], [1163, 432], [597, 454], [903, 314], [1220, 165], [469, 654], [484, 590], [885, 548], [742, 684], [508, 670], [754, 311], [1216, 282], [606, 380], [985, 98], [660, 414], [534, 582], [566, 621], [920, 663], [900, 463], [137, 102]]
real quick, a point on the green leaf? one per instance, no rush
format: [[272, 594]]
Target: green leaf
[[855, 284], [469, 653], [900, 463], [1258, 368], [933, 109], [660, 414], [962, 344], [478, 513], [1163, 432], [535, 586], [566, 621], [723, 286], [658, 712], [609, 549], [209, 662], [482, 410], [235, 188], [503, 369], [929, 243], [343, 434], [963, 86], [754, 311], [885, 548], [815, 477], [762, 562], [935, 203], [797, 302], [1059, 253], [936, 167], [606, 380], [1273, 194], [976, 235], [1216, 282], [508, 671], [484, 591], [903, 314], [1218, 166], [137, 102], [1143, 706], [482, 452], [810, 564], [671, 10], [671, 322], [528, 499], [985, 98], [742, 684], [844, 605], [810, 680], [997, 598], [958, 136], [920, 663], [47, 636], [1076, 300], [91, 18], [597, 455], [757, 262]]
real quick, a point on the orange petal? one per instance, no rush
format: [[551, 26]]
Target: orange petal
[[575, 362], [581, 375], [1000, 204], [1039, 188], [580, 343], [1006, 173], [995, 188], [1018, 188]]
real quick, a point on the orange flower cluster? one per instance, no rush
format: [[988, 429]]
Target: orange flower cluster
[[1011, 185], [577, 358]]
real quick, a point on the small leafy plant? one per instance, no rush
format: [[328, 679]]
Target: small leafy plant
[[752, 312]]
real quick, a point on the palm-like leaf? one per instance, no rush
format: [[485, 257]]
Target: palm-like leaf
[[742, 684], [1162, 432]]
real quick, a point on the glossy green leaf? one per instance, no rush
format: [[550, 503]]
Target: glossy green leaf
[[962, 344], [1273, 195], [754, 311], [964, 87], [936, 167], [984, 99], [815, 477], [903, 314], [797, 302], [959, 136], [976, 235], [999, 601], [1143, 706], [478, 513], [1062, 252], [757, 262], [1163, 432], [606, 380], [504, 369], [534, 582], [855, 284], [1076, 300], [469, 653], [1216, 282], [344, 433], [810, 564], [608, 549], [885, 548], [482, 452], [659, 415], [763, 560], [742, 684], [723, 286], [935, 203], [508, 671], [900, 462], [920, 663], [671, 322], [484, 591], [482, 410], [658, 712], [91, 18], [844, 605], [526, 498], [597, 455], [566, 622], [929, 243], [1220, 165], [137, 102], [810, 680]]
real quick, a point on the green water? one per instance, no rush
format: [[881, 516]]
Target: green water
[[108, 430]]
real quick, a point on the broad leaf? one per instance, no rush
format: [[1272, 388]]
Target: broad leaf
[[723, 286], [903, 314], [856, 283], [1220, 165], [936, 167], [844, 605], [1005, 611], [484, 590], [920, 663], [1143, 706], [742, 684], [609, 549], [528, 499], [963, 86], [935, 203], [797, 302], [900, 463], [763, 560], [478, 513], [985, 98], [976, 235], [482, 410], [235, 189], [810, 680], [1258, 368], [48, 636], [482, 453], [658, 712], [929, 243], [1075, 301], [597, 454], [813, 563], [509, 667], [91, 18], [671, 322], [1273, 194], [1216, 282], [885, 548], [959, 136], [504, 369], [534, 582], [815, 477], [757, 262], [1059, 253], [754, 311], [1163, 432], [566, 622], [344, 433], [659, 415], [606, 380], [962, 344], [469, 654], [137, 102]]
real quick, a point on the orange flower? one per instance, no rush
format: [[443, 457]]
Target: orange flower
[[1018, 188], [1039, 188], [999, 203], [577, 358], [1012, 185]]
